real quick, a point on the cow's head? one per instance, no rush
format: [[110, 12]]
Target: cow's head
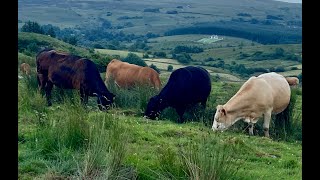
[[153, 108], [104, 100], [222, 120]]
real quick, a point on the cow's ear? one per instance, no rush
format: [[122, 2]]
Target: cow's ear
[[223, 111]]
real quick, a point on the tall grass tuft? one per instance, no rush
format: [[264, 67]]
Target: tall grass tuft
[[105, 153], [171, 166], [136, 97], [66, 127], [209, 161]]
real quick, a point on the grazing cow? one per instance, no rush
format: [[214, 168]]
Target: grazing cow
[[293, 81], [186, 86], [126, 75], [264, 95], [25, 69], [71, 72]]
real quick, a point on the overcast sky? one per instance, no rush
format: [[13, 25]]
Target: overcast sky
[[291, 1]]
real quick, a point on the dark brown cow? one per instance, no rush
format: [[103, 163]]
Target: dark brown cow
[[126, 75], [71, 72], [25, 69]]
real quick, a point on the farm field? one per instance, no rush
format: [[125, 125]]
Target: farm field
[[150, 149], [120, 53], [70, 141]]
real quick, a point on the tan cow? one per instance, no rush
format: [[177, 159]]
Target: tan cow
[[258, 97], [126, 75], [293, 81], [25, 69]]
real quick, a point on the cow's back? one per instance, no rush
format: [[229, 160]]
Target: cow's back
[[187, 85], [127, 75], [280, 90]]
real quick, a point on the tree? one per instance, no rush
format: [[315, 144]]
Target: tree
[[155, 68], [32, 27], [51, 32], [135, 59], [160, 54], [170, 68], [73, 40]]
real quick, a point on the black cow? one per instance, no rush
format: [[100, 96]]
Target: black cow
[[186, 86], [71, 72]]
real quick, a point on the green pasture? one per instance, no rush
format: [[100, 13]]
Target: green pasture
[[120, 53], [69, 141]]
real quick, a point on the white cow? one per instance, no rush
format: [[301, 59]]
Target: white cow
[[258, 97]]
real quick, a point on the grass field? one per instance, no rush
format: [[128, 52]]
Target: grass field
[[69, 141], [120, 53]]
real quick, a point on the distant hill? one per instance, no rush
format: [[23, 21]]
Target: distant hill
[[168, 16]]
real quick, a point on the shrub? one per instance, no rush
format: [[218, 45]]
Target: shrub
[[135, 59], [279, 69], [170, 68], [155, 68]]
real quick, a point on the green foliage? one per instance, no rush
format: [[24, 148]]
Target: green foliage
[[23, 58], [138, 45], [135, 98], [209, 160], [279, 69], [183, 58], [51, 32], [155, 68], [170, 68], [160, 54], [287, 124], [101, 61], [300, 77], [187, 49], [265, 33], [134, 59], [71, 40], [145, 56], [32, 27]]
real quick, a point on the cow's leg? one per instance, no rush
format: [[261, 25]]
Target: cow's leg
[[180, 112], [251, 126], [48, 89], [266, 123], [83, 96], [42, 82], [203, 104]]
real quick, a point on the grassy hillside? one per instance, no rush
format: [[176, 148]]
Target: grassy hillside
[[229, 49], [139, 17], [26, 39], [70, 141]]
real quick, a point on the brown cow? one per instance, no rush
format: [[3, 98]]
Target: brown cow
[[25, 69], [260, 96], [71, 72], [126, 75], [293, 81]]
